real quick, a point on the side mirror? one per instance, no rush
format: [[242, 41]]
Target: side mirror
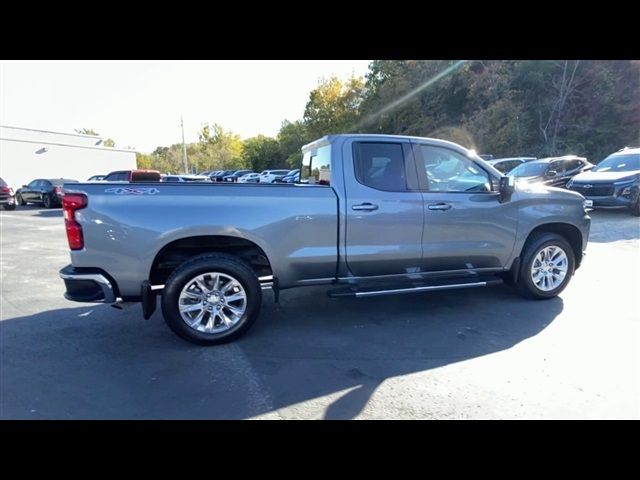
[[552, 173], [507, 187]]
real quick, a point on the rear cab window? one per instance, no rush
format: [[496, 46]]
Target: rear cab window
[[316, 166]]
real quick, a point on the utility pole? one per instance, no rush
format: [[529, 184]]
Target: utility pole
[[184, 148]]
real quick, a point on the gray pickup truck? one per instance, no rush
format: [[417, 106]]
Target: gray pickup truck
[[372, 215]]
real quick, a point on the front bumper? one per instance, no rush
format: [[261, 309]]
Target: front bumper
[[618, 196], [87, 285]]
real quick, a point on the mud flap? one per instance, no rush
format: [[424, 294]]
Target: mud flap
[[148, 300]]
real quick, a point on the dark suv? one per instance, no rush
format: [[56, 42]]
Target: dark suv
[[614, 182], [48, 192], [7, 199]]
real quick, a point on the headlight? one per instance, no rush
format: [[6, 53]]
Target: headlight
[[626, 191]]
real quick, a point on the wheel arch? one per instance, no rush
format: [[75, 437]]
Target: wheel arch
[[569, 232], [176, 252]]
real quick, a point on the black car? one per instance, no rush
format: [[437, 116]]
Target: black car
[[45, 191], [614, 182], [233, 177], [220, 174], [553, 171], [7, 198]]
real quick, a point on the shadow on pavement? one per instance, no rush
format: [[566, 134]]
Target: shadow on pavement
[[97, 362]]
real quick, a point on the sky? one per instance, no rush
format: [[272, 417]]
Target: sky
[[139, 103]]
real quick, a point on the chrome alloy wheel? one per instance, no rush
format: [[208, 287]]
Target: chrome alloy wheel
[[212, 302], [549, 268]]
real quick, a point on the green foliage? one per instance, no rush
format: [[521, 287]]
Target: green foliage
[[291, 137], [510, 108], [219, 149], [109, 142], [262, 153], [333, 107], [86, 131]]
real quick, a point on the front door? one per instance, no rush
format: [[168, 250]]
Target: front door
[[384, 208], [465, 226]]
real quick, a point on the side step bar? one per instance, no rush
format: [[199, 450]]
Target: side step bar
[[379, 291]]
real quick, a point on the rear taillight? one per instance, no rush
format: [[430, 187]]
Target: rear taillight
[[6, 189], [70, 203]]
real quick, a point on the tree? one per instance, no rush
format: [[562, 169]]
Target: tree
[[261, 153], [333, 107], [109, 142], [220, 148], [291, 137], [86, 131]]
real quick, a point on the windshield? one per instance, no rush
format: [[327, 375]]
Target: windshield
[[618, 163], [528, 170]]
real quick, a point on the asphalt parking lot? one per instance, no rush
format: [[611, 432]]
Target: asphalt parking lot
[[481, 353]]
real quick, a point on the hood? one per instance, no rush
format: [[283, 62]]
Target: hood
[[602, 177]]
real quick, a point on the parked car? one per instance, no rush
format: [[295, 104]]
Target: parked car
[[505, 165], [185, 178], [387, 220], [292, 178], [613, 182], [250, 178], [7, 197], [270, 176], [96, 178], [133, 176], [552, 171], [288, 178], [220, 174], [235, 175], [45, 191]]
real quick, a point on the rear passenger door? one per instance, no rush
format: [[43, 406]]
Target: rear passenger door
[[384, 208]]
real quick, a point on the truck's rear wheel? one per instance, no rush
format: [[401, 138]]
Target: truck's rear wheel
[[211, 299], [547, 266]]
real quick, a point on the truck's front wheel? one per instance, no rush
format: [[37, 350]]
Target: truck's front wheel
[[211, 299], [547, 266]]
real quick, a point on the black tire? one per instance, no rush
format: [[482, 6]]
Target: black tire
[[215, 262], [635, 208], [535, 243], [20, 200], [46, 200], [10, 206]]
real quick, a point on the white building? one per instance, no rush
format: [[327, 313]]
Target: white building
[[27, 154]]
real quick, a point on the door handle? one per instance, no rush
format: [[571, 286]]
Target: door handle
[[368, 207], [439, 206]]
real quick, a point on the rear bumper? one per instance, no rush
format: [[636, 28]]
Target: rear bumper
[[87, 285]]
